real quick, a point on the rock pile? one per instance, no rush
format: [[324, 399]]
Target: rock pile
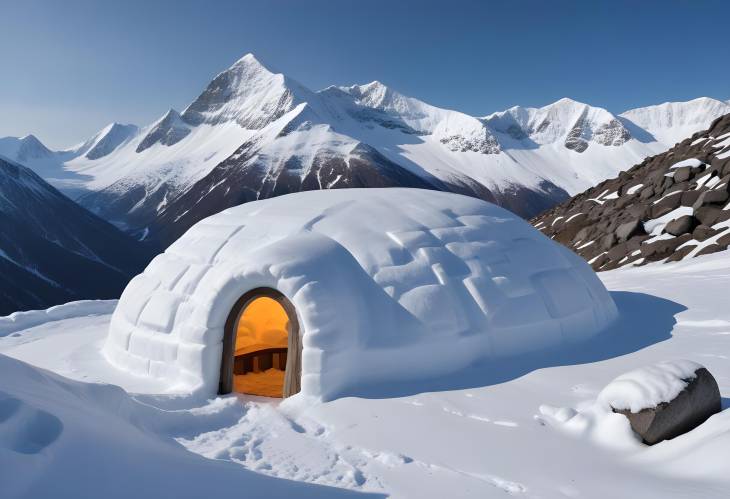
[[668, 207]]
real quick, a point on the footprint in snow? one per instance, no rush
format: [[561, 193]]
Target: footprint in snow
[[510, 424]]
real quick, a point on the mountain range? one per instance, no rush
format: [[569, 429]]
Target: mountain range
[[53, 251], [254, 133]]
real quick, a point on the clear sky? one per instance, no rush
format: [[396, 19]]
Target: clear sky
[[70, 67]]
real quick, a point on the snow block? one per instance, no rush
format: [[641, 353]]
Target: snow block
[[387, 284]]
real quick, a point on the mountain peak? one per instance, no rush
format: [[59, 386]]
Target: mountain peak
[[171, 114], [251, 62], [247, 92], [248, 58], [31, 139], [566, 102], [31, 148], [168, 130], [374, 85], [671, 122], [108, 139]]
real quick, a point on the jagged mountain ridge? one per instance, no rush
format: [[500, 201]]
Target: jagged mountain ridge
[[275, 130], [52, 250], [574, 124], [669, 207]]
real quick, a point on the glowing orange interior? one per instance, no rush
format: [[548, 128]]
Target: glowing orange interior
[[263, 326]]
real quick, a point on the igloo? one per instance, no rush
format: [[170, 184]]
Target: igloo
[[367, 286]]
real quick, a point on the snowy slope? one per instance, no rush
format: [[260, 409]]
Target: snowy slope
[[64, 438], [52, 250], [255, 133], [492, 431]]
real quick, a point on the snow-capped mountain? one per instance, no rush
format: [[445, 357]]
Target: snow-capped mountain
[[572, 124], [254, 133], [672, 122], [51, 165], [106, 141], [27, 148], [52, 250]]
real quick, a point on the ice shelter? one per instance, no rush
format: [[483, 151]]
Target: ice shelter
[[324, 291]]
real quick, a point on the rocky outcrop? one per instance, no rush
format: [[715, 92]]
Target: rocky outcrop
[[669, 207], [169, 130]]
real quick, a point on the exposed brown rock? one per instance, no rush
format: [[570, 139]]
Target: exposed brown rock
[[628, 229], [711, 197], [711, 248], [681, 253], [681, 225], [702, 232]]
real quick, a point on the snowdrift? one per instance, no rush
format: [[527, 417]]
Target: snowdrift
[[63, 438]]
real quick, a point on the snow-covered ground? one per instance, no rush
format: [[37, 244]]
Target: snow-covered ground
[[528, 429]]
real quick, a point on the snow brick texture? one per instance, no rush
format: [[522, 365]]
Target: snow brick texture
[[388, 284]]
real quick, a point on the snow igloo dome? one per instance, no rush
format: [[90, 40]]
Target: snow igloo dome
[[323, 291]]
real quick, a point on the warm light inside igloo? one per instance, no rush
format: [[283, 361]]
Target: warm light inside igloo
[[261, 348]]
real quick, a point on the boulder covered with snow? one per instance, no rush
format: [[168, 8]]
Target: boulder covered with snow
[[664, 400], [387, 285]]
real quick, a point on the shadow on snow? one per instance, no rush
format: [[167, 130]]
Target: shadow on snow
[[644, 320]]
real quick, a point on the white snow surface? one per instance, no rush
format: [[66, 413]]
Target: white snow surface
[[384, 278], [687, 162], [649, 386], [19, 321], [527, 427]]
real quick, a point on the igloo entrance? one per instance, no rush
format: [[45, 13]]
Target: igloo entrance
[[262, 347]]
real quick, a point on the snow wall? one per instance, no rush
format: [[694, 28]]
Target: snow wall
[[388, 284]]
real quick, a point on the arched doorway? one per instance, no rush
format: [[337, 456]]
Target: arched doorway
[[262, 346]]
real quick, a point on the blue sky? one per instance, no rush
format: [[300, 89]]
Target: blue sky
[[71, 67]]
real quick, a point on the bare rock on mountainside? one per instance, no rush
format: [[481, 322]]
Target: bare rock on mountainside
[[666, 400], [681, 225], [669, 207]]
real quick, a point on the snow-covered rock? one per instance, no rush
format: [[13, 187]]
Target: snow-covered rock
[[660, 402], [665, 400], [388, 284], [649, 386]]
